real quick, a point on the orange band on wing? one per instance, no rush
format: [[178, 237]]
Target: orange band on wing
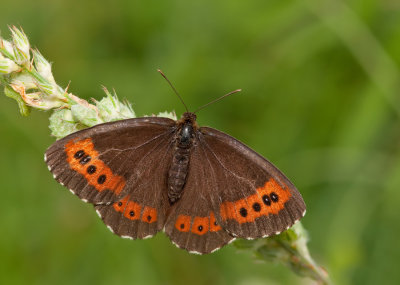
[[269, 199], [183, 223], [120, 205], [214, 227], [83, 158], [132, 210], [149, 215], [200, 226]]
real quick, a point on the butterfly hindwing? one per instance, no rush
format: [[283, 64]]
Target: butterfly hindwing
[[192, 223], [250, 196], [142, 212]]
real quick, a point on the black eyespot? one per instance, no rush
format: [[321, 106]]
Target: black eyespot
[[91, 169], [200, 228], [131, 213], [102, 178], [182, 226], [119, 204], [243, 212], [85, 159], [149, 218], [215, 224], [257, 207], [79, 154], [266, 200], [274, 197]]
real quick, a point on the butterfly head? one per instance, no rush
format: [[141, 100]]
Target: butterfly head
[[188, 118]]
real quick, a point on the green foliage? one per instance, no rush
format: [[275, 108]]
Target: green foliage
[[23, 108]]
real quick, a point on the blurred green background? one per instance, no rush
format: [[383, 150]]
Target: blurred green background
[[320, 99]]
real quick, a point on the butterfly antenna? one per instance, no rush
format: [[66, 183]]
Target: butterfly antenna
[[173, 88], [216, 100]]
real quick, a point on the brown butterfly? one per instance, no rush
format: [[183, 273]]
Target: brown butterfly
[[200, 186]]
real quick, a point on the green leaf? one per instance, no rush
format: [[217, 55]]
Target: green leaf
[[23, 108]]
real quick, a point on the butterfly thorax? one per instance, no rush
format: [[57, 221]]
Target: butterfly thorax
[[179, 169]]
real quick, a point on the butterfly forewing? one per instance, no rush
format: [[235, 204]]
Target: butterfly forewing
[[250, 196], [104, 163]]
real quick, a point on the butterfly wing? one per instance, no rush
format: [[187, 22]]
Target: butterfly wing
[[233, 189], [141, 212], [116, 166], [251, 198], [102, 163], [191, 223]]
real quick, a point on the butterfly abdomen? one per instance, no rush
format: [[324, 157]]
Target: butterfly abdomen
[[180, 163]]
